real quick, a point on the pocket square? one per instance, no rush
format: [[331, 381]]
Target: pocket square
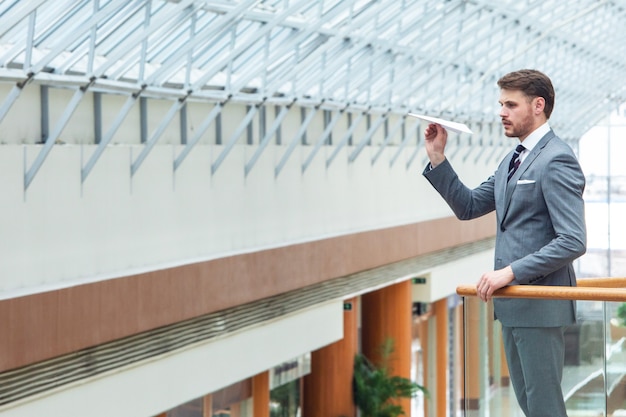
[[526, 181]]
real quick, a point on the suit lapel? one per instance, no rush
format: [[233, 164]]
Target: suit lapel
[[528, 161]]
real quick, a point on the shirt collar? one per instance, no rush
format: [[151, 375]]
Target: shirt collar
[[534, 138]]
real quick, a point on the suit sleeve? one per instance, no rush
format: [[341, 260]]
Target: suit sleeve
[[466, 203]]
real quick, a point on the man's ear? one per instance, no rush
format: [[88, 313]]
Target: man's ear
[[539, 103]]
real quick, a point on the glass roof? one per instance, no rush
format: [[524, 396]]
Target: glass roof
[[442, 57]]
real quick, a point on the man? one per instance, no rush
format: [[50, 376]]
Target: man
[[540, 232]]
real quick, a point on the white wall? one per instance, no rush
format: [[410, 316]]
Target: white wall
[[22, 124], [60, 232]]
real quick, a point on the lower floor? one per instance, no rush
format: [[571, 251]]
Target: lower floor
[[400, 335], [454, 352], [294, 355]]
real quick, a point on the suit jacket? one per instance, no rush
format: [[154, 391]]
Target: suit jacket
[[540, 225]]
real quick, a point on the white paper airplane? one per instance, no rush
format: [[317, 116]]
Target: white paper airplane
[[454, 126]]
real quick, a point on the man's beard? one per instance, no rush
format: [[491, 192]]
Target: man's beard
[[523, 129]]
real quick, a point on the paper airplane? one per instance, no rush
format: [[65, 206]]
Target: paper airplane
[[454, 126]]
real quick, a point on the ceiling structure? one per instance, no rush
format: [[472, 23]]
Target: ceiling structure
[[441, 57]]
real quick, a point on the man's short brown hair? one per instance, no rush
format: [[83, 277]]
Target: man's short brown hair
[[533, 84]]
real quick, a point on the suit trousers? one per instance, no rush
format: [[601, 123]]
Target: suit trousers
[[536, 356]]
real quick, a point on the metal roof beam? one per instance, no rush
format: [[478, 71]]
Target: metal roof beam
[[165, 24], [15, 15], [60, 46], [233, 139], [221, 63], [201, 37], [322, 139], [289, 46], [345, 139], [199, 132], [368, 136], [54, 135], [294, 141], [405, 140], [401, 122], [106, 139], [263, 143]]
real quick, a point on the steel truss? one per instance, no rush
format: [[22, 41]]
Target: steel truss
[[365, 57]]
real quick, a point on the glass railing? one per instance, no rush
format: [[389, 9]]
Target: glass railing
[[594, 377]]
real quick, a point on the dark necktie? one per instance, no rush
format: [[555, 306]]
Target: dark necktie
[[515, 160]]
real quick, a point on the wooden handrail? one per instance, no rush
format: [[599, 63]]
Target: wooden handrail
[[602, 282], [588, 289]]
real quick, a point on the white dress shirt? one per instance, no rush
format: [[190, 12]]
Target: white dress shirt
[[532, 140]]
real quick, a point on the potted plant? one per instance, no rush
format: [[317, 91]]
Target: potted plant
[[375, 389]]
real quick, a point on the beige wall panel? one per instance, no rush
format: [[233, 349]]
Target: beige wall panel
[[49, 324], [79, 128], [379, 134], [114, 225], [129, 132], [22, 124], [316, 128], [291, 125], [157, 112], [196, 114], [232, 115], [360, 130]]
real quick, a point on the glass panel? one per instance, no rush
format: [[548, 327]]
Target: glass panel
[[487, 389], [584, 374], [616, 358], [285, 400]]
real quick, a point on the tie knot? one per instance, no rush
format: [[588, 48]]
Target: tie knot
[[520, 148]]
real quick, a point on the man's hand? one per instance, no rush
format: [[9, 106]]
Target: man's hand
[[435, 138], [491, 281]]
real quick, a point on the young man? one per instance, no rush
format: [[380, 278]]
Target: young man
[[536, 192]]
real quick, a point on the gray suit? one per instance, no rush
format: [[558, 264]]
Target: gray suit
[[540, 232]]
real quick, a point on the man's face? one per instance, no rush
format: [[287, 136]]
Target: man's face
[[517, 113]]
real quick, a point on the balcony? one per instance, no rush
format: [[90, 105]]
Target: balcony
[[594, 377]]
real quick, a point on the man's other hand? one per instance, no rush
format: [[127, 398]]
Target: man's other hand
[[491, 281]]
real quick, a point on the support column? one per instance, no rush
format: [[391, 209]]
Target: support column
[[424, 342], [472, 384], [459, 349], [441, 314], [504, 367], [261, 395], [235, 410], [494, 359], [386, 314], [327, 390], [207, 406]]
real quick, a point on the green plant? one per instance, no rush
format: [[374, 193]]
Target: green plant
[[374, 388], [621, 314]]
